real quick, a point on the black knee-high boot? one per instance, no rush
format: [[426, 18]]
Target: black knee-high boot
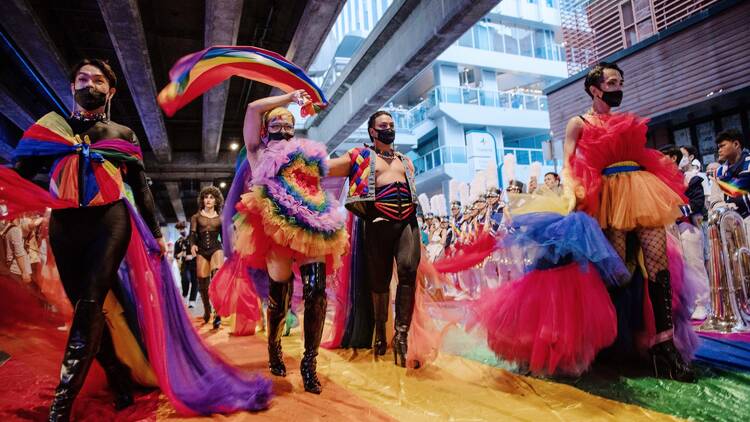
[[203, 290], [217, 318], [404, 310], [118, 375], [83, 344], [279, 299], [314, 291], [380, 302], [666, 359]]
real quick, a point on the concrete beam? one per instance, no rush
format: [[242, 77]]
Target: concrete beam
[[173, 189], [190, 165], [318, 18], [123, 20], [29, 35], [222, 26], [10, 108], [407, 39]]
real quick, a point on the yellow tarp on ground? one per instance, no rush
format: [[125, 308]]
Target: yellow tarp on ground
[[357, 387]]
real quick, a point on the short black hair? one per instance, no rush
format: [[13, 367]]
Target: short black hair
[[371, 121], [555, 175], [101, 64], [691, 150], [596, 75], [729, 135], [671, 151], [180, 225]]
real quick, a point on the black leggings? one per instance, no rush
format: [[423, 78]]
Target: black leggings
[[386, 240], [89, 244]]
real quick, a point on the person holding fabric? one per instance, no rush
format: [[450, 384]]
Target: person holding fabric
[[382, 192], [205, 245], [287, 218], [92, 228], [628, 188], [89, 242]]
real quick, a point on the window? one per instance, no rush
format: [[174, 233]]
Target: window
[[466, 39], [482, 37], [682, 137], [706, 136], [524, 38], [550, 3], [731, 122], [635, 17]]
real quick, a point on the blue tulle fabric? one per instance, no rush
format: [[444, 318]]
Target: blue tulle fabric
[[550, 239]]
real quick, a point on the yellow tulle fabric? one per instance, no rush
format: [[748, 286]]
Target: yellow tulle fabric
[[637, 199], [126, 346], [282, 232]]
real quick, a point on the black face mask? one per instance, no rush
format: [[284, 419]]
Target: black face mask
[[386, 136], [280, 136], [612, 98], [90, 99]]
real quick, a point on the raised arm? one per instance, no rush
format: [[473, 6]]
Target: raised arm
[[254, 114]]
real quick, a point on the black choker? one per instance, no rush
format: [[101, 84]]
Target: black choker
[[384, 154], [86, 116]]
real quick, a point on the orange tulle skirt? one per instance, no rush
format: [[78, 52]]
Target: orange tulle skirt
[[637, 199]]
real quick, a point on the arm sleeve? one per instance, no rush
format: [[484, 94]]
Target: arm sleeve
[[15, 235], [193, 237], [144, 200], [695, 195]]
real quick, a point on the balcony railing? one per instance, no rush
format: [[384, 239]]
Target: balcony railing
[[440, 156], [487, 98]]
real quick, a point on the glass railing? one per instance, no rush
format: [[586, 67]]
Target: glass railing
[[488, 98], [409, 118], [440, 156], [526, 156]]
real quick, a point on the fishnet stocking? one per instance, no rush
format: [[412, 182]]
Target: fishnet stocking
[[654, 244], [618, 240]]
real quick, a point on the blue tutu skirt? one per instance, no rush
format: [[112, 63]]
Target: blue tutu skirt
[[550, 240]]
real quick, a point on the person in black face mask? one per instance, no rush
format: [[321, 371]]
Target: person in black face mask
[[634, 192], [288, 219], [391, 231], [90, 241]]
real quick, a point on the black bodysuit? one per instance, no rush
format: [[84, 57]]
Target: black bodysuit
[[89, 243], [205, 233]]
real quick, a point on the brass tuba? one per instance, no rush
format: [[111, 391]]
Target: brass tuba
[[728, 272]]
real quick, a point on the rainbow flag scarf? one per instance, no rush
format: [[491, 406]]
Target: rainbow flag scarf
[[731, 187], [196, 73], [51, 136]]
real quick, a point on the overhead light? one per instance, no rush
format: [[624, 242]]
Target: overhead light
[[234, 146], [223, 185]]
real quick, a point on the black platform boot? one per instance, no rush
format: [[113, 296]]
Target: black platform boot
[[83, 342], [665, 357], [203, 290], [118, 375], [279, 298], [217, 318], [404, 310], [314, 291], [380, 302]]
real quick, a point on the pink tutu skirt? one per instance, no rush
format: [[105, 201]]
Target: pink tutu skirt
[[554, 321]]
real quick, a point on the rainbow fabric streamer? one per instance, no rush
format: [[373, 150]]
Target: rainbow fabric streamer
[[196, 73], [731, 187], [102, 182]]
